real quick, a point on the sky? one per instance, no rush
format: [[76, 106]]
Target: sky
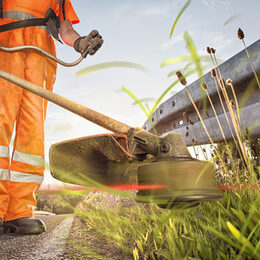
[[138, 31]]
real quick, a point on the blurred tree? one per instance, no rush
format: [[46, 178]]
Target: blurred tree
[[57, 203]]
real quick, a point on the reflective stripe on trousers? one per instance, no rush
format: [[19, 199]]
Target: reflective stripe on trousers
[[4, 151], [6, 175], [35, 160]]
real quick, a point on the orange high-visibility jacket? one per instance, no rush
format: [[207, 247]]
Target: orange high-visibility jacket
[[21, 170]]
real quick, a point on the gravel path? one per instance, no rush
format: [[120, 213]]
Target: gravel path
[[66, 238], [84, 243], [48, 245]]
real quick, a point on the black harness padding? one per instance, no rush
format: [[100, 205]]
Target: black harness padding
[[51, 21], [1, 8], [53, 24]]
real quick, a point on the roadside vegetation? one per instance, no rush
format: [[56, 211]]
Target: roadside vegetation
[[227, 229], [57, 203]]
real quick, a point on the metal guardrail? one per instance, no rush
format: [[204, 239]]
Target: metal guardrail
[[175, 114]]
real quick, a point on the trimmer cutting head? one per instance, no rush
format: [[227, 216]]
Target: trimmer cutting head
[[110, 159]]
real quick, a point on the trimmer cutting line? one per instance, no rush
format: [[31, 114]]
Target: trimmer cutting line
[[129, 155]]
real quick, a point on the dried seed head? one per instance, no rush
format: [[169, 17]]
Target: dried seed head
[[187, 127], [232, 102], [208, 50], [193, 141], [229, 81], [181, 78], [240, 34], [204, 150], [213, 73], [213, 51], [204, 86], [191, 122], [187, 134]]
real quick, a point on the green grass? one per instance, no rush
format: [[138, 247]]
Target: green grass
[[228, 229]]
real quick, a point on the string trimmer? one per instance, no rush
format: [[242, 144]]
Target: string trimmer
[[162, 164]]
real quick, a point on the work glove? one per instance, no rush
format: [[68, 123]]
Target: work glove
[[88, 44]]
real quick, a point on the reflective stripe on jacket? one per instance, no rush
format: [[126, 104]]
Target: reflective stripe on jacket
[[62, 8], [31, 7]]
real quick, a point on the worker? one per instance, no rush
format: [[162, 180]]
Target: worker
[[39, 23]]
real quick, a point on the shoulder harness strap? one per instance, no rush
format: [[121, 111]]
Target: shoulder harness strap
[[63, 10], [51, 21]]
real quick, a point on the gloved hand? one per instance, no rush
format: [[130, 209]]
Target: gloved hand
[[90, 43]]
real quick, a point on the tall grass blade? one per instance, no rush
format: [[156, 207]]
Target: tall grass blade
[[178, 16], [175, 60], [194, 54], [131, 94], [166, 91], [203, 58], [202, 172], [144, 100], [135, 254], [240, 238], [232, 18], [186, 70], [109, 65]]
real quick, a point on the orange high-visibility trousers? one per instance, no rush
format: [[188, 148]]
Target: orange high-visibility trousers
[[21, 170]]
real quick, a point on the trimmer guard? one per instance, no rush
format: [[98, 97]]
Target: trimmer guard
[[99, 158], [105, 159]]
